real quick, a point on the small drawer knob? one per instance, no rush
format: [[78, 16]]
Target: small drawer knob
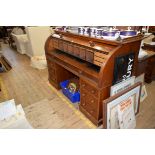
[[83, 104], [83, 85], [93, 91], [80, 72], [91, 111], [92, 101], [83, 94]]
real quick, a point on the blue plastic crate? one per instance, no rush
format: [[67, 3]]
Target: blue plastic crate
[[73, 97]]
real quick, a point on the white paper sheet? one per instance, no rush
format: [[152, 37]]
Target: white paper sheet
[[122, 86], [17, 121], [7, 109]]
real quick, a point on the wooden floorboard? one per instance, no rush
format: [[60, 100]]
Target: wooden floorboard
[[146, 116]]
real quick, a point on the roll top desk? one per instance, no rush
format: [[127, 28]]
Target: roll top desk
[[92, 60]]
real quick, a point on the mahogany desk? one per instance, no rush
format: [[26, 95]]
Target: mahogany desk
[[92, 60]]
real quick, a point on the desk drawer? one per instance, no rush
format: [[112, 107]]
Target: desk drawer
[[82, 53], [89, 103], [76, 51], [92, 90], [65, 46], [89, 56], [70, 48]]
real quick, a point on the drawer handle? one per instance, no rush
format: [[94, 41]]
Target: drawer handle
[[83, 94], [91, 111], [93, 91], [83, 104], [80, 72], [83, 85], [92, 101]]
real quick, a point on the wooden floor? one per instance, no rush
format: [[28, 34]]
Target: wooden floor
[[146, 116], [24, 83], [29, 87]]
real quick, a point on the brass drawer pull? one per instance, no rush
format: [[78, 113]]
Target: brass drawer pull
[[83, 85], [83, 104], [83, 94], [93, 91], [80, 72], [92, 101], [91, 111]]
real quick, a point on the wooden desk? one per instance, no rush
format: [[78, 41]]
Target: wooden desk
[[92, 60]]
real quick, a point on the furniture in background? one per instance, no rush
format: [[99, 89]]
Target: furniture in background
[[12, 43], [152, 30], [37, 37], [146, 64], [3, 32], [21, 42], [32, 43], [94, 62], [4, 62]]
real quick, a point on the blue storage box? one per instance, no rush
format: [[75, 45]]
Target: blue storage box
[[73, 97]]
